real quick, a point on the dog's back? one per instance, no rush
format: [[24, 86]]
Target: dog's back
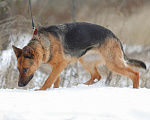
[[77, 38]]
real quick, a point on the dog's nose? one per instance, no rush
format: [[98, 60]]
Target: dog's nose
[[20, 84]]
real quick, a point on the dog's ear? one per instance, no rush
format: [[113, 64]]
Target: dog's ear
[[28, 52], [17, 51]]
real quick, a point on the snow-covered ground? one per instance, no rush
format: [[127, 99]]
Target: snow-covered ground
[[77, 103]]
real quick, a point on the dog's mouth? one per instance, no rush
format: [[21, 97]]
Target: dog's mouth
[[23, 82]]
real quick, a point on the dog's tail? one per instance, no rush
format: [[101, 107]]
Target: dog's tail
[[135, 63]]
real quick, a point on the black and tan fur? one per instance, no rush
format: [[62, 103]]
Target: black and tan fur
[[60, 45]]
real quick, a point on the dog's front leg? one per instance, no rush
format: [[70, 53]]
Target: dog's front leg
[[56, 83], [57, 69]]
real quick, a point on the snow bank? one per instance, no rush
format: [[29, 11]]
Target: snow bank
[[77, 103]]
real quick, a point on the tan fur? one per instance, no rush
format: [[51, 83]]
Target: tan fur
[[58, 63], [114, 60], [56, 83]]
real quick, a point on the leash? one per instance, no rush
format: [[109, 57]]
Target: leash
[[34, 29]]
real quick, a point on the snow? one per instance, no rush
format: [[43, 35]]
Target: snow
[[80, 102], [5, 59]]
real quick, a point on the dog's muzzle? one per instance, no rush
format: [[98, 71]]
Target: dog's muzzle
[[23, 82]]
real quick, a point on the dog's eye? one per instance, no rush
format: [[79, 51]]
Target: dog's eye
[[25, 69]]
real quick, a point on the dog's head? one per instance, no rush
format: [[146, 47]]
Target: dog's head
[[26, 64]]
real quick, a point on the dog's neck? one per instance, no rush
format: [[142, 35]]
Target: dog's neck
[[41, 47]]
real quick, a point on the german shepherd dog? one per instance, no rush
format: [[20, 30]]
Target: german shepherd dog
[[63, 44]]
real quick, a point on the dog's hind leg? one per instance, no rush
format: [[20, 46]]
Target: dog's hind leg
[[91, 68], [114, 60], [124, 70]]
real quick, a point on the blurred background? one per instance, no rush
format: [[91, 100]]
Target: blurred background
[[129, 20]]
